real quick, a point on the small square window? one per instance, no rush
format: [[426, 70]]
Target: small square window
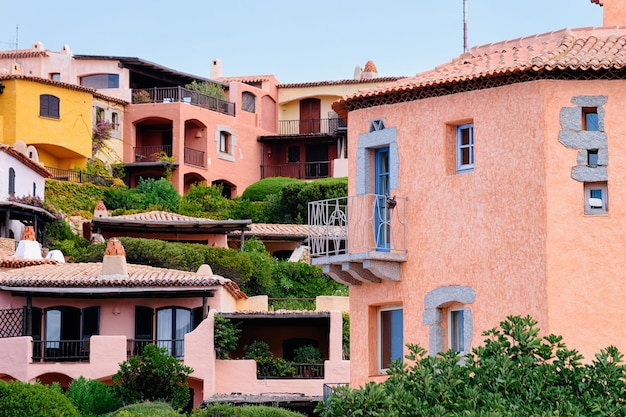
[[596, 198], [390, 336], [55, 76], [293, 154], [465, 147], [456, 338], [592, 158], [590, 119]]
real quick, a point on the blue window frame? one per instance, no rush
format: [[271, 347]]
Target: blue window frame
[[590, 119], [391, 338], [465, 147]]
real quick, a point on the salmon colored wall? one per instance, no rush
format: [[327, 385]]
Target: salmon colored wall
[[513, 229]]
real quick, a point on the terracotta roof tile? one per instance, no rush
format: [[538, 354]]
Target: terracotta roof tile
[[370, 67], [85, 275], [163, 216], [22, 53], [100, 205], [576, 49], [9, 262], [275, 230], [35, 166], [379, 80]]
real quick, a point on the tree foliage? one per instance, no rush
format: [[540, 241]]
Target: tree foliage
[[150, 194], [155, 375], [226, 335], [92, 397], [514, 373], [229, 410]]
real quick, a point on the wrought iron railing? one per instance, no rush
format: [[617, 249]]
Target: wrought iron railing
[[360, 223], [182, 95], [194, 157], [300, 170], [61, 350], [151, 153], [12, 322], [311, 126], [301, 370], [175, 347], [61, 174], [291, 304]]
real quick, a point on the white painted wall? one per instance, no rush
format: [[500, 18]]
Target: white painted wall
[[24, 178]]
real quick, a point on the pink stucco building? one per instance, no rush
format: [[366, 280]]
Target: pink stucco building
[[491, 185], [60, 321]]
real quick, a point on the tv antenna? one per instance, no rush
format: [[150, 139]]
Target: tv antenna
[[464, 25], [13, 43]]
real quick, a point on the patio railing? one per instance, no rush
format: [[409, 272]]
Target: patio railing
[[182, 95], [300, 170], [61, 174], [302, 370], [151, 153], [61, 350], [311, 126], [195, 157]]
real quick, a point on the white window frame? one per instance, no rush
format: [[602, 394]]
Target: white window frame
[[379, 340], [460, 148], [594, 209], [452, 329]]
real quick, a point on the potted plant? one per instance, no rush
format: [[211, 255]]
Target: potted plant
[[309, 355]]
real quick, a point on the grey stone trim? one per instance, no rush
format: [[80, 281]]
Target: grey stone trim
[[434, 301], [573, 137], [233, 143], [369, 141], [441, 296]]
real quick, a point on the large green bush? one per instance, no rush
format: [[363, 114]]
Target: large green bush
[[301, 280], [155, 375], [228, 410], [225, 336], [92, 397], [150, 194], [295, 197], [147, 409], [514, 373], [205, 201], [19, 399], [261, 189]]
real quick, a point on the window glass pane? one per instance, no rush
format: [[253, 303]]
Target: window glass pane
[[391, 343], [591, 121], [53, 327], [164, 329], [456, 331], [91, 321], [596, 193], [592, 158]]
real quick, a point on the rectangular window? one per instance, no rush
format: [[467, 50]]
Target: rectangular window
[[596, 198], [455, 331], [224, 142], [99, 114], [590, 119], [293, 154], [390, 336], [49, 106], [55, 76], [115, 120], [592, 158], [465, 147]]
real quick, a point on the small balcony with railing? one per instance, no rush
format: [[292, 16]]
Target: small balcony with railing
[[182, 95], [360, 238], [300, 170], [330, 126]]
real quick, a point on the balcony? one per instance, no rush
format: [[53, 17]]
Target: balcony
[[151, 153], [300, 170], [61, 350], [311, 126], [175, 347], [182, 95], [195, 157], [359, 239]]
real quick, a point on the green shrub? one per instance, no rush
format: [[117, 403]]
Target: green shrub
[[155, 375], [205, 201], [147, 409], [515, 372], [257, 350], [19, 399], [261, 189], [72, 198], [345, 336], [295, 197], [158, 194], [261, 281], [228, 410], [301, 280], [307, 354], [210, 89], [267, 364], [226, 335], [92, 397]]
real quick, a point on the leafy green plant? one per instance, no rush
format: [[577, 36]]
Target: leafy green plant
[[515, 372], [210, 89], [155, 375], [20, 399], [299, 279], [204, 201], [92, 397], [257, 350], [146, 409], [226, 335], [259, 190], [267, 364], [345, 336], [141, 96], [229, 410], [307, 354]]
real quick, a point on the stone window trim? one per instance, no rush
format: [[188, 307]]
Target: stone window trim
[[434, 303], [367, 142], [230, 155]]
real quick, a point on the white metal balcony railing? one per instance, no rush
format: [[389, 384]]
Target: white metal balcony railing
[[356, 224]]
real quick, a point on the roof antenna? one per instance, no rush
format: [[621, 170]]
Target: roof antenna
[[464, 25], [17, 31]]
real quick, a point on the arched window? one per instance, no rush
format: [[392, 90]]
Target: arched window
[[49, 106], [11, 182], [248, 102]]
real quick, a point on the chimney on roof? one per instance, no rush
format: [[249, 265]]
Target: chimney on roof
[[28, 247], [614, 13], [114, 263], [100, 210], [216, 69]]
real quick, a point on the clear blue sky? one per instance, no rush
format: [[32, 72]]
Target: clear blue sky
[[297, 41]]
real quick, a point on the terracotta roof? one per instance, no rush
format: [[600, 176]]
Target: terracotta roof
[[341, 82], [247, 78], [299, 231], [67, 86], [584, 49], [13, 263], [85, 276], [22, 53], [158, 216], [25, 160], [370, 67], [100, 205]]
